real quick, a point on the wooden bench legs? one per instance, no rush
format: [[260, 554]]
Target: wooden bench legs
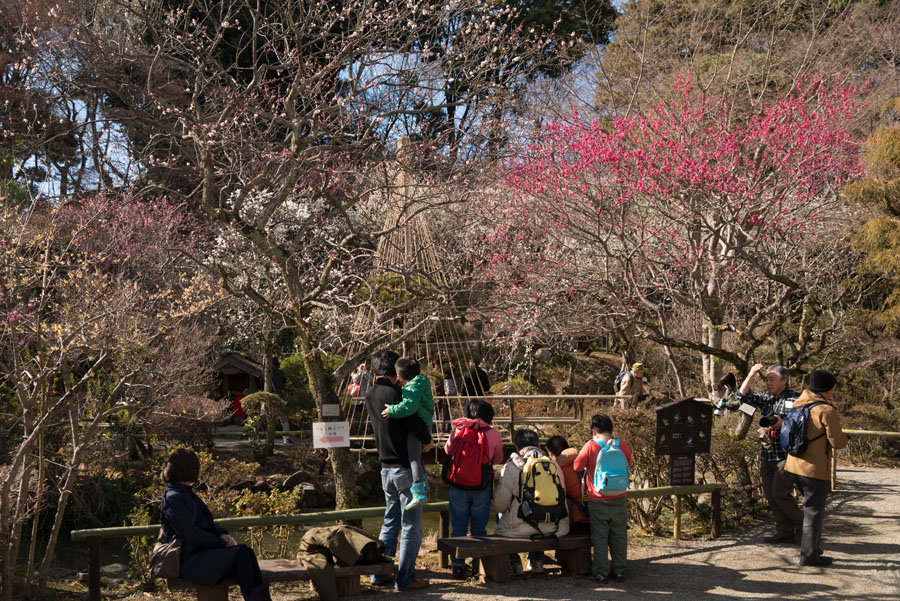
[[575, 561], [347, 585], [572, 561], [494, 567], [212, 593]]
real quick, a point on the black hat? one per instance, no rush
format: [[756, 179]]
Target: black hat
[[820, 381]]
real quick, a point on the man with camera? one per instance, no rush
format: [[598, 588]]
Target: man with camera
[[778, 485]]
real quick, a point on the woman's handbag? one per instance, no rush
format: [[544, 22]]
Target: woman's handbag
[[165, 558]]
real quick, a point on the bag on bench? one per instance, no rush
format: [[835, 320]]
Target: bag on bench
[[165, 558], [541, 495]]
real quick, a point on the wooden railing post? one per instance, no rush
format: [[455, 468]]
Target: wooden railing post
[[833, 470], [716, 513], [676, 529], [94, 568], [445, 533]]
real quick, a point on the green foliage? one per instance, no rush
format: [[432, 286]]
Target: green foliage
[[254, 403], [300, 403], [882, 152], [390, 289], [514, 385], [272, 503], [12, 192], [141, 546]]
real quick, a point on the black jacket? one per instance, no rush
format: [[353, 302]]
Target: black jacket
[[391, 434], [205, 557]]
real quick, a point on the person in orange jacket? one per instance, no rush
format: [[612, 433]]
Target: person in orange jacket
[[564, 456]]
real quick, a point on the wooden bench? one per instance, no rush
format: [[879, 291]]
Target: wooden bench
[[573, 552], [287, 570]]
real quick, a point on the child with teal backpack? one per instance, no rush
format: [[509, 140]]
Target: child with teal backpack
[[606, 461], [417, 400]]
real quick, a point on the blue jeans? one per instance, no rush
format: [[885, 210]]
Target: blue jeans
[[400, 522], [469, 506]]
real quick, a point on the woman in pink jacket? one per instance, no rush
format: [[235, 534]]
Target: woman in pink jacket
[[473, 447]]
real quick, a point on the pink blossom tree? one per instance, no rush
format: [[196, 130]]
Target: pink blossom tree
[[705, 229]]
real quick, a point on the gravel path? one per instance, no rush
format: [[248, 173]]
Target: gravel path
[[862, 534]]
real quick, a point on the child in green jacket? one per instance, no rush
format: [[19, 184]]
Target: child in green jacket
[[419, 401]]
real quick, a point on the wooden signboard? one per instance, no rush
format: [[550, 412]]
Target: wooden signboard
[[681, 469], [683, 429], [683, 426]]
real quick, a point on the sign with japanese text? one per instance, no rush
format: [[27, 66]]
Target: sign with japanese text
[[327, 435]]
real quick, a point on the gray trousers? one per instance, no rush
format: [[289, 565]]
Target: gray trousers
[[815, 493], [609, 530], [778, 487]]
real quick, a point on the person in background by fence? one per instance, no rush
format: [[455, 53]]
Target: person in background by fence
[[632, 386], [813, 467], [778, 485], [209, 554]]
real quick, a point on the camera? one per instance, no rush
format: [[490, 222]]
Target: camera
[[768, 421]]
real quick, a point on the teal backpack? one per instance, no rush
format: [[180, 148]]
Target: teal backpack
[[611, 471]]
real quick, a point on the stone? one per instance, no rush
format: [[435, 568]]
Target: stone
[[295, 479], [310, 497], [261, 486], [368, 485], [114, 568], [543, 354], [243, 485]]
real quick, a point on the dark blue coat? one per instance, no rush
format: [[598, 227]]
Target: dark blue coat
[[205, 557]]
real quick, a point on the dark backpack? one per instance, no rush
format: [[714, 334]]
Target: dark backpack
[[468, 462], [542, 498], [618, 381], [793, 429]]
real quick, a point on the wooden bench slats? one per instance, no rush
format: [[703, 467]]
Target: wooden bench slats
[[573, 552], [288, 570], [484, 546]]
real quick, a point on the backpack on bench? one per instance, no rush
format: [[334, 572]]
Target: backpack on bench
[[542, 498]]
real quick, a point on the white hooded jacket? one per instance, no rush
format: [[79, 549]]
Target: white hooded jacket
[[506, 501]]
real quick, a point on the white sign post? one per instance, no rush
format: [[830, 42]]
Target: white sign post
[[327, 435]]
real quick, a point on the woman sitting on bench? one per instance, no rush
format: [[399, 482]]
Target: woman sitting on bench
[[208, 554]]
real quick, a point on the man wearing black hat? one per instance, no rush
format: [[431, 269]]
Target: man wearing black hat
[[813, 467]]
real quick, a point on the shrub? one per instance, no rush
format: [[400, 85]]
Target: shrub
[[272, 503], [185, 420], [300, 405]]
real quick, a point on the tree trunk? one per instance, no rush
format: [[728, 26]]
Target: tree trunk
[[322, 388], [268, 412], [712, 369]]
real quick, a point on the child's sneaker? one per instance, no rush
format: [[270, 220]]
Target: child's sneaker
[[418, 490]]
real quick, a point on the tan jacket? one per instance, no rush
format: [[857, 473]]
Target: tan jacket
[[631, 386], [506, 499], [816, 461]]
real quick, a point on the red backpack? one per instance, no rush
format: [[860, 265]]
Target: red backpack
[[468, 462]]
